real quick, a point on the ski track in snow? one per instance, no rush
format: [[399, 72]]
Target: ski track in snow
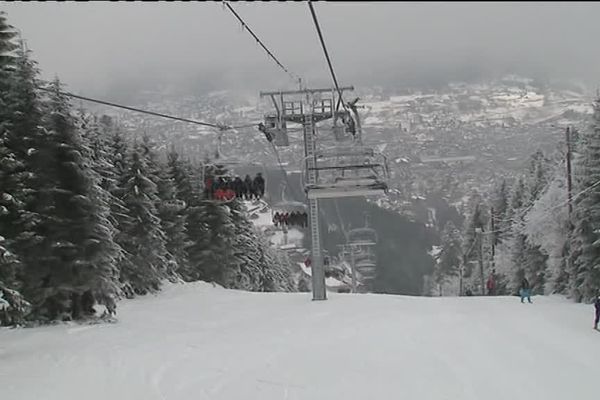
[[195, 341]]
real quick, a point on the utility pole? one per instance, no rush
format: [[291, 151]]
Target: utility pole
[[353, 266], [478, 232], [569, 177], [461, 270], [493, 237]]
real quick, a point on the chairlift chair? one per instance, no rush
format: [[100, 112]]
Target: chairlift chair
[[276, 129], [340, 175], [362, 237]]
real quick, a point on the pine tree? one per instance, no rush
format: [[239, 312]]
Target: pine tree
[[537, 176], [277, 271], [141, 234], [477, 220], [534, 259], [13, 306], [20, 129], [183, 177], [211, 253], [7, 44], [501, 204], [247, 269], [114, 172], [211, 236], [450, 257], [96, 143], [170, 209], [547, 226], [585, 242], [20, 136], [517, 199], [518, 245], [71, 259], [11, 177]]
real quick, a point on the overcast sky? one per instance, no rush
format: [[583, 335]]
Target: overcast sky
[[93, 46]]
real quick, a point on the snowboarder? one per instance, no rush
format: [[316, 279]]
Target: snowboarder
[[525, 291], [597, 307]]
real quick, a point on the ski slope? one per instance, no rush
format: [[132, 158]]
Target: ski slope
[[195, 341]]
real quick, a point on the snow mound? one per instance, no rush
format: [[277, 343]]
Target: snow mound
[[196, 341]]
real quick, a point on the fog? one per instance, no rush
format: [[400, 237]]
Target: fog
[[103, 47]]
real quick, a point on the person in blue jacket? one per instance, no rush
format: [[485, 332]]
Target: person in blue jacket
[[525, 291]]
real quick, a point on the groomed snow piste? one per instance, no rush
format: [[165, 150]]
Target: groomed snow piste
[[197, 342]]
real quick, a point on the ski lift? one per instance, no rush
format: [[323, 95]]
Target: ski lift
[[275, 130], [353, 172], [362, 237], [223, 169], [290, 206], [365, 263], [347, 129]]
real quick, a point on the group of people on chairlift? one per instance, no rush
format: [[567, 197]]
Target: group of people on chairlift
[[295, 218], [224, 188]]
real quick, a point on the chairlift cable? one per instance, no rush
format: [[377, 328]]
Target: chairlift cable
[[139, 110], [271, 55], [335, 81]]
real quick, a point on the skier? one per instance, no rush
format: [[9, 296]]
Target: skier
[[597, 307], [248, 187], [238, 187], [294, 218], [259, 185], [286, 219], [525, 291], [276, 219]]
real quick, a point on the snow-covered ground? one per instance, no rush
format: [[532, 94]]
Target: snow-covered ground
[[198, 342]]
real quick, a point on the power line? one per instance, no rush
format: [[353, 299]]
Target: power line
[[156, 114], [546, 213], [292, 75], [335, 82]]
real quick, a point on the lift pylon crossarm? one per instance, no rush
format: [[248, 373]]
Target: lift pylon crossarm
[[304, 91]]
